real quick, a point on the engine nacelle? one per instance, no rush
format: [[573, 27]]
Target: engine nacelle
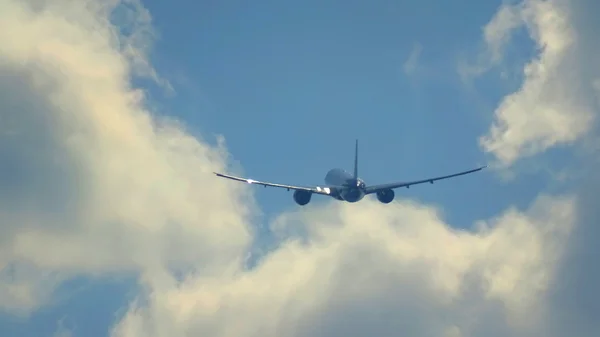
[[302, 197], [385, 196]]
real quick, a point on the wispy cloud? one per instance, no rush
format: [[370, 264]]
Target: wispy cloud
[[411, 65], [62, 330]]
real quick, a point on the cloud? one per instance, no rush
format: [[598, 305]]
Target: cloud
[[375, 269], [551, 107], [411, 65], [574, 303], [94, 184], [62, 331]]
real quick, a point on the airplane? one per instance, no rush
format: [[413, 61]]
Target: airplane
[[343, 186]]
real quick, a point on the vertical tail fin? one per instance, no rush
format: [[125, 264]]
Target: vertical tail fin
[[356, 160]]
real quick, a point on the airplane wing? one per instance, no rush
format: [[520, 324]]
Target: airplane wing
[[316, 189], [377, 188]]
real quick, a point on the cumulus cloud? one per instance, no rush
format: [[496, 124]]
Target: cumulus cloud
[[552, 107], [574, 303], [375, 269], [94, 184]]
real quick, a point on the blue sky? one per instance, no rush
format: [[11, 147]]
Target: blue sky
[[290, 100], [291, 85]]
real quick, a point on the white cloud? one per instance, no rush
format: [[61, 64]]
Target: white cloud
[[96, 185], [375, 269], [93, 183], [551, 108]]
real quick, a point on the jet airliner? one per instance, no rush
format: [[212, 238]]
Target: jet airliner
[[341, 185]]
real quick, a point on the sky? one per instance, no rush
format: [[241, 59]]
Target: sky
[[115, 113]]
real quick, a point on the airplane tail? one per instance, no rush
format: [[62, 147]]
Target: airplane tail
[[356, 160]]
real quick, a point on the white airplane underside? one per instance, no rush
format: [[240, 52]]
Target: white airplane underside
[[343, 186]]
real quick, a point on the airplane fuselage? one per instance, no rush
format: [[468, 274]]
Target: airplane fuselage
[[346, 186]]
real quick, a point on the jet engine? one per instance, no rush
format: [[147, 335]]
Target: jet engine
[[385, 196], [302, 197]]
